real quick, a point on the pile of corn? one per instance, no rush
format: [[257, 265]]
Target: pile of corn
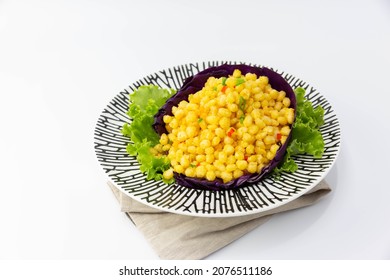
[[233, 126]]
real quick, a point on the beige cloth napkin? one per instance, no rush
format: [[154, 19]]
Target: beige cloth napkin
[[175, 236]]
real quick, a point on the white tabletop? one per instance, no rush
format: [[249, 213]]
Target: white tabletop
[[61, 62]]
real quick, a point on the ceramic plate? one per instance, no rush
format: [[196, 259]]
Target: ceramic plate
[[123, 170]]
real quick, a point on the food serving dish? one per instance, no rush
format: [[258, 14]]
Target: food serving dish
[[123, 170]]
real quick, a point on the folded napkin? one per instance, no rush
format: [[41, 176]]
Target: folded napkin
[[175, 236]]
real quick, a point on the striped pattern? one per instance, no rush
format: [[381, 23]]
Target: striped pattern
[[123, 170]]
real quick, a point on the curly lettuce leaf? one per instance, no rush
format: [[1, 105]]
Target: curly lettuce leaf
[[144, 104], [306, 137]]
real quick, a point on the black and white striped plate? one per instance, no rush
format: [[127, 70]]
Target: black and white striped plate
[[123, 170]]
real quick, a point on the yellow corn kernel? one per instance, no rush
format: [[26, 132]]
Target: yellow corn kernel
[[252, 158], [226, 176], [213, 109], [269, 130], [252, 167], [209, 150], [274, 123], [285, 130], [231, 159], [221, 100], [219, 165], [210, 175], [260, 123], [158, 148], [168, 174], [209, 135], [281, 96], [173, 123], [199, 150], [278, 106], [184, 161], [183, 104], [231, 167], [269, 140], [259, 159], [270, 155], [224, 123], [248, 120], [222, 157], [223, 112], [178, 169], [232, 107], [196, 141], [267, 120], [282, 120], [200, 158], [242, 164], [220, 132], [205, 144], [236, 73], [166, 147], [261, 135], [179, 114], [172, 154], [245, 94], [167, 119], [241, 131], [260, 151], [253, 129], [263, 80], [239, 155], [191, 149], [172, 137], [290, 116], [286, 102], [191, 117], [274, 94], [215, 141], [258, 94], [181, 136], [247, 137], [192, 107], [260, 144], [230, 82], [211, 119], [228, 140], [250, 77], [190, 172], [228, 149], [163, 139], [230, 97], [274, 148], [210, 158], [191, 131], [237, 173], [200, 171], [250, 149], [274, 114]]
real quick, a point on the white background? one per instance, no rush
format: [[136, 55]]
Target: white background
[[61, 62]]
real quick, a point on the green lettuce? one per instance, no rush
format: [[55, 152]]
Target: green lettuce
[[306, 137], [144, 104]]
